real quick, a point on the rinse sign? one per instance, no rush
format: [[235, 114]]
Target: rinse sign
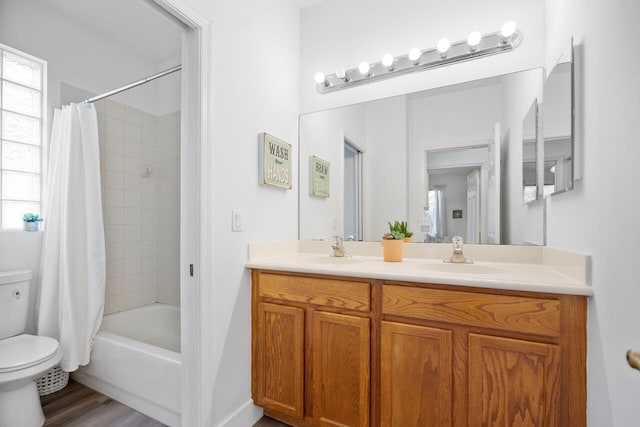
[[276, 161], [319, 177]]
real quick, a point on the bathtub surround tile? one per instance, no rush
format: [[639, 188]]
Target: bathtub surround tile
[[113, 144], [169, 296], [115, 250], [132, 132], [133, 149], [113, 180], [113, 303], [115, 267], [132, 233], [114, 233], [132, 249], [133, 199], [111, 197], [149, 232], [133, 216], [149, 264], [133, 166], [133, 115], [149, 280], [114, 109], [113, 162], [149, 247], [114, 285], [113, 215], [114, 126], [133, 299]]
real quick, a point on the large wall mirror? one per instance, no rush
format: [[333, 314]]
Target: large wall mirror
[[447, 160], [558, 124]]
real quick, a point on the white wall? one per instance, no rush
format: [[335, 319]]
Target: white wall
[[336, 34], [385, 166], [322, 135], [583, 219], [255, 89]]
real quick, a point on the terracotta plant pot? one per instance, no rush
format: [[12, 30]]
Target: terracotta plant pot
[[392, 250], [407, 239]]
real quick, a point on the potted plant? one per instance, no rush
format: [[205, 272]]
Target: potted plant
[[31, 221], [392, 246], [401, 227]]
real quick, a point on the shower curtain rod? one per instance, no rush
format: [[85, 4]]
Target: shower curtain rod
[[134, 84]]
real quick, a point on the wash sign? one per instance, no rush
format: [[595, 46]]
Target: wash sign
[[319, 176], [276, 161]]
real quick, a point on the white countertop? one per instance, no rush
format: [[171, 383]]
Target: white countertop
[[551, 271]]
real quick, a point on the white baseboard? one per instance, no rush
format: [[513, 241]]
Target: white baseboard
[[245, 416]]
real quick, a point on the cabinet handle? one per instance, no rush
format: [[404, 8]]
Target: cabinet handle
[[633, 357]]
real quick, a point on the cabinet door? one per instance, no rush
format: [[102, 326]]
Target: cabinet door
[[513, 382], [280, 353], [340, 370], [416, 383]]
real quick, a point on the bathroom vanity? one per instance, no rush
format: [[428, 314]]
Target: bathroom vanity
[[359, 342]]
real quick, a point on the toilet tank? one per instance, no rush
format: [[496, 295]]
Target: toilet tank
[[14, 302]]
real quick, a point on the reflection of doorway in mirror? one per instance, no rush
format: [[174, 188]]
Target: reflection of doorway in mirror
[[473, 206], [352, 191]]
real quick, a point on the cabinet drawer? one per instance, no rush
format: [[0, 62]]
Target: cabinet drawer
[[530, 315], [343, 294]]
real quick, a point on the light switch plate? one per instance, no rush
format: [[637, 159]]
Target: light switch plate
[[236, 220]]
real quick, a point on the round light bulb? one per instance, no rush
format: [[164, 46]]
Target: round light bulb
[[508, 29], [443, 46], [341, 73], [387, 60], [474, 40], [321, 79], [364, 68], [414, 54]]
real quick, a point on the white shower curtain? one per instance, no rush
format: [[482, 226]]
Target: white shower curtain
[[72, 270]]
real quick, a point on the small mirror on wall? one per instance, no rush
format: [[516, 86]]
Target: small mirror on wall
[[529, 154], [558, 126]]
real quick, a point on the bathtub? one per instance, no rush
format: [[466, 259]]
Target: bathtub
[[136, 361]]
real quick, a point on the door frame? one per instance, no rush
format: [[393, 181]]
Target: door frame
[[196, 205]]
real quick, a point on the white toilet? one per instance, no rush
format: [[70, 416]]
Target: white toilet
[[23, 358]]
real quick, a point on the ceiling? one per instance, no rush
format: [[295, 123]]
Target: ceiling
[[140, 25]]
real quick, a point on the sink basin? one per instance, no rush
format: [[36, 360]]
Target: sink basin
[[332, 260], [461, 268]]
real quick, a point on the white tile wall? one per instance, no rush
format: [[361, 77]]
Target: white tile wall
[[141, 214]]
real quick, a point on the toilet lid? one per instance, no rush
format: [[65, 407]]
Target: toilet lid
[[23, 351]]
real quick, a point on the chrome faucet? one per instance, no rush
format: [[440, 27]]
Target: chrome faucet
[[338, 248], [457, 257]]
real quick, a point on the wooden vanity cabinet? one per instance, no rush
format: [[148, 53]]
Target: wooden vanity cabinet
[[311, 349], [331, 351], [481, 357]]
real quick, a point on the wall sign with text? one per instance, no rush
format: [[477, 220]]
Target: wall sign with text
[[320, 174], [275, 161]]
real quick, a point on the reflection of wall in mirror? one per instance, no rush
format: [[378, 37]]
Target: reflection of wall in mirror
[[379, 131]]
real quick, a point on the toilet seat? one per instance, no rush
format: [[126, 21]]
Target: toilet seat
[[24, 351]]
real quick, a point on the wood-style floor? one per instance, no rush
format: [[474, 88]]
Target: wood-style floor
[[79, 406]]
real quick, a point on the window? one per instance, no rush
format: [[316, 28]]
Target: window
[[22, 103]]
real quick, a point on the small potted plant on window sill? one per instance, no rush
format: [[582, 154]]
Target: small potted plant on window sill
[[31, 221], [392, 246]]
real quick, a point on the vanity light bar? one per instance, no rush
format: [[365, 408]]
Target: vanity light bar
[[446, 53]]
